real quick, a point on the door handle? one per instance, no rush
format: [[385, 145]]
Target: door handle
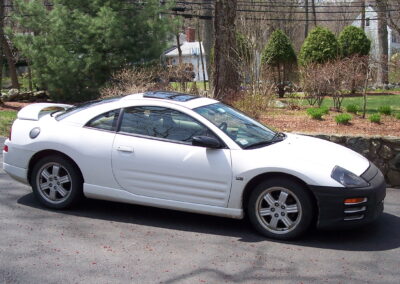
[[126, 149]]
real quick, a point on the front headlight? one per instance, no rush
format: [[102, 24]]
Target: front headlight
[[347, 178]]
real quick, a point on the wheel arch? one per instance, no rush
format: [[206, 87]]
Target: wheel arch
[[261, 177], [41, 154]]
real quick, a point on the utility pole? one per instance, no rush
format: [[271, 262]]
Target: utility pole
[[363, 15], [306, 25], [314, 12], [208, 37]]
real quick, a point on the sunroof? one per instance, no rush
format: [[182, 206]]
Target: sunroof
[[175, 96]]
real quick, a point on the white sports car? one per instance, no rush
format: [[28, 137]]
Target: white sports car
[[184, 152]]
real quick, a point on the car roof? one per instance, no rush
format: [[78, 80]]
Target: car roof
[[182, 99], [165, 98]]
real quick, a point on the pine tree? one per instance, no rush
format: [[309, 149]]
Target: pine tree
[[75, 45]]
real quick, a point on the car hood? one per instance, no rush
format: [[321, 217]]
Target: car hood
[[310, 159]]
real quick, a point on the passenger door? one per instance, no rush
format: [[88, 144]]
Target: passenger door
[[152, 156]]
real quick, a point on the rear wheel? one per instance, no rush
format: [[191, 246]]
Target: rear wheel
[[280, 209], [56, 182]]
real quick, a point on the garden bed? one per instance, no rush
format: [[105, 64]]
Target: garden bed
[[298, 121]]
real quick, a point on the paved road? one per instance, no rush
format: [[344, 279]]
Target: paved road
[[105, 242]]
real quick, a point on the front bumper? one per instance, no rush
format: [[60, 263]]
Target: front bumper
[[333, 213]]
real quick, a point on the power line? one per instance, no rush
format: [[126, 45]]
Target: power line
[[187, 15]]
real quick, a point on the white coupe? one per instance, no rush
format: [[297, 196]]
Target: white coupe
[[184, 152]]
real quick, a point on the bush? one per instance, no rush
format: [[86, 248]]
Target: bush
[[316, 113], [353, 41], [398, 116], [343, 118], [320, 46], [353, 108], [386, 110], [280, 56], [325, 109], [375, 118]]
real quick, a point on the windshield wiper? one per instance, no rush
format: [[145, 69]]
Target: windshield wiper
[[279, 136]]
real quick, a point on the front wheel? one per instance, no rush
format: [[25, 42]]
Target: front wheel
[[56, 182], [280, 208]]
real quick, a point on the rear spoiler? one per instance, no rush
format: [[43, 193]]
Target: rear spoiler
[[35, 111]]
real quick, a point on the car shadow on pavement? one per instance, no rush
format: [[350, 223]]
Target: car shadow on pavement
[[384, 234]]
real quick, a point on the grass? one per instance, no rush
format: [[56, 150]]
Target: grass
[[6, 119], [373, 102]]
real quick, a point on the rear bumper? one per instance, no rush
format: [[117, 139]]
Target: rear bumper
[[19, 174], [333, 213]]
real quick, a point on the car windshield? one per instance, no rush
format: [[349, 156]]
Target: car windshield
[[246, 132]]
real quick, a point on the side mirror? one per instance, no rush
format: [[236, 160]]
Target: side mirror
[[205, 141]]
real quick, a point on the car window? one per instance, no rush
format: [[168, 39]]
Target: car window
[[163, 123], [105, 121]]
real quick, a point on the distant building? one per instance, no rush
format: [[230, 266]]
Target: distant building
[[190, 55], [371, 29]]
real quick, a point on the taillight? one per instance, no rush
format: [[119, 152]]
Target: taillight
[[5, 149]]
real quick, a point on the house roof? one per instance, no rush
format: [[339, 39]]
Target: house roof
[[188, 49]]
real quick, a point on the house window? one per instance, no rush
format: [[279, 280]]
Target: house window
[[367, 22], [394, 37]]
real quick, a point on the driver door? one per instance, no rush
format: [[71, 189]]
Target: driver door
[[152, 156]]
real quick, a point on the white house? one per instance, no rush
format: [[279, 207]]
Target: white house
[[371, 29], [190, 55]]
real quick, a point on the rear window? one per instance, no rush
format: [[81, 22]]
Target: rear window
[[83, 106]]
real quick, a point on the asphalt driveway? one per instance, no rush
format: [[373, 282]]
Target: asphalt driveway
[[106, 242]]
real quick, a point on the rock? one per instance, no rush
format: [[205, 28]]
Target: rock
[[395, 162], [5, 97], [279, 104], [13, 92], [358, 144], [385, 152], [375, 146], [393, 177], [39, 95], [338, 139]]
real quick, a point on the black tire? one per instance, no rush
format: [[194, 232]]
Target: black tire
[[59, 189], [276, 219]]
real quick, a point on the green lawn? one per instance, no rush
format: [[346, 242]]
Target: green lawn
[[6, 119], [373, 102]]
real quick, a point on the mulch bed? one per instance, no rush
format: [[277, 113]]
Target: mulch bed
[[292, 121]]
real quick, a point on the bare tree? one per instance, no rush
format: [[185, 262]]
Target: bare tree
[[226, 77]]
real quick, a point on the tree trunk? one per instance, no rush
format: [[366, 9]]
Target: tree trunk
[[383, 70], [7, 50], [208, 38], [226, 76]]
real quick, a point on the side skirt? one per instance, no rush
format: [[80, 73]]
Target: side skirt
[[111, 194]]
